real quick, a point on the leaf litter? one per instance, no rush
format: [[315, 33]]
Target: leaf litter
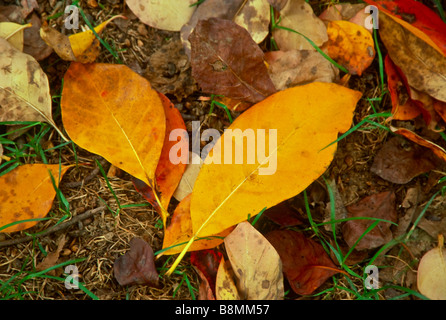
[[350, 167]]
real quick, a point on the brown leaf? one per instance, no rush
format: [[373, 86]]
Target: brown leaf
[[305, 263], [399, 161], [382, 206], [33, 43], [225, 60], [283, 215], [137, 265], [51, 259], [204, 290]]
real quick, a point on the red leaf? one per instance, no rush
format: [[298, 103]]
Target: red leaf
[[305, 262], [207, 261]]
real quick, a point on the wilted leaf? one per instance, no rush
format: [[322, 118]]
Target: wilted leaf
[[207, 262], [399, 161], [351, 45], [403, 107], [168, 15], [51, 258], [204, 290], [296, 67], [187, 181], [341, 11], [34, 44], [27, 193], [167, 174], [226, 61], [112, 111], [137, 266], [254, 17], [412, 136], [225, 288], [431, 275], [305, 263], [298, 15], [180, 231], [59, 42], [381, 206], [24, 88], [423, 66], [256, 264]]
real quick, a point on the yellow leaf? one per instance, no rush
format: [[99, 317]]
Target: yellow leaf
[[13, 32], [351, 45], [112, 111], [27, 192], [302, 121], [225, 288]]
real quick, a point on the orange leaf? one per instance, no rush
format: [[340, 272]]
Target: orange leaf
[[112, 111], [351, 45], [27, 192]]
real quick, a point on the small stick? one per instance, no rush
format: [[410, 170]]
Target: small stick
[[53, 229]]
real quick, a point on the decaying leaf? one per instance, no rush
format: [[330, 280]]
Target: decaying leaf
[[51, 259], [431, 275], [351, 45], [168, 15], [225, 287], [305, 263], [382, 206], [254, 16], [399, 161], [13, 32], [225, 60], [27, 193], [204, 290], [207, 262], [296, 67], [298, 15], [186, 184], [24, 88], [341, 11], [137, 266], [283, 215], [256, 264], [423, 66], [59, 42], [112, 111]]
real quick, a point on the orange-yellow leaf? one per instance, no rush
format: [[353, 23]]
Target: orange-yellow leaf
[[27, 192], [112, 111], [180, 231], [351, 45]]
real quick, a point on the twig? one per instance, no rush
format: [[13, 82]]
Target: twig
[[53, 229]]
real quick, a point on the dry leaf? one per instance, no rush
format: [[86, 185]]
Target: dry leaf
[[187, 181], [137, 266], [254, 16], [24, 88], [225, 60], [112, 111], [298, 15], [350, 45], [225, 287], [207, 262], [51, 259], [27, 193], [305, 263], [168, 15], [204, 290], [59, 42], [13, 32], [382, 206], [341, 11], [256, 264], [431, 276]]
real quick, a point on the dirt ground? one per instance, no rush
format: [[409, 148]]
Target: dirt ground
[[104, 236]]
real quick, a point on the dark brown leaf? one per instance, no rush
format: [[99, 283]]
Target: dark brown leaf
[[207, 262], [225, 60], [304, 261], [283, 215], [137, 266], [399, 161], [382, 206]]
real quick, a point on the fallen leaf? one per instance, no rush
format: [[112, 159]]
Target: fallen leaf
[[28, 193], [350, 45], [59, 42], [412, 136], [254, 16], [225, 60], [283, 215], [382, 206], [137, 266], [423, 66], [278, 4], [305, 263], [403, 107], [24, 88], [399, 161], [33, 43], [180, 231], [296, 67], [340, 212], [204, 290], [167, 174], [112, 111], [431, 275], [1, 153], [256, 264], [186, 184], [341, 11], [299, 16], [207, 262], [410, 205], [13, 32], [51, 259], [225, 286], [168, 15]]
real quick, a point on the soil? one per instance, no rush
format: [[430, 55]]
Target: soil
[[104, 236]]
